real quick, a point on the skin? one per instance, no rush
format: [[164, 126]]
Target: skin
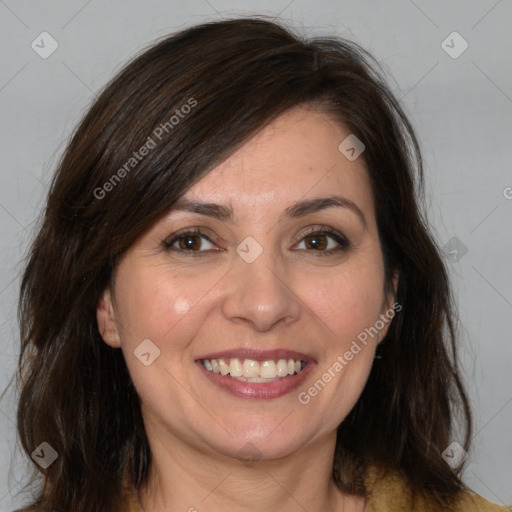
[[287, 298]]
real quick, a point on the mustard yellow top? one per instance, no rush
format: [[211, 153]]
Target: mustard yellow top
[[389, 493]]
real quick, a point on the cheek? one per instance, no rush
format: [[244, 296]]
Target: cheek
[[348, 313], [347, 301], [154, 302], [146, 305], [181, 305]]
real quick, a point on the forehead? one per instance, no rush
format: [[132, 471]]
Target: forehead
[[295, 156]]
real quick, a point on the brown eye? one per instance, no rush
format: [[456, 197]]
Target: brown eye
[[189, 241], [324, 242], [318, 242]]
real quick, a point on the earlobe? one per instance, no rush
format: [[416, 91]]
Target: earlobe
[[391, 308], [395, 279], [392, 298], [106, 319]]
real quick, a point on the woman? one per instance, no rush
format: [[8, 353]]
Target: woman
[[236, 213]]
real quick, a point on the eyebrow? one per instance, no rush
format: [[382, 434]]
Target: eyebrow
[[295, 211]]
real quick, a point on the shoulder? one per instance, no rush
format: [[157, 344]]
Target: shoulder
[[473, 502], [388, 492]]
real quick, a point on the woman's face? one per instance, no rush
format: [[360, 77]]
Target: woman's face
[[270, 259]]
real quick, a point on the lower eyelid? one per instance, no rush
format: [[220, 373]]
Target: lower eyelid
[[339, 247]]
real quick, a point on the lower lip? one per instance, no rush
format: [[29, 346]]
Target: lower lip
[[265, 390]]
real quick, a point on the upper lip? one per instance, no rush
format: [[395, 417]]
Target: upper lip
[[258, 355]]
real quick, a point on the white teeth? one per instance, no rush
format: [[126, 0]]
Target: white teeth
[[249, 370], [224, 368], [282, 368], [268, 369], [235, 368]]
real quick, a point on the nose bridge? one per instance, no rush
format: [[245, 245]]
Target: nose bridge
[[259, 292]]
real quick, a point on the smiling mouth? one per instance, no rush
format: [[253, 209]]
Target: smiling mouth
[[251, 370]]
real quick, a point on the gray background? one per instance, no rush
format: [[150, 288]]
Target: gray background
[[461, 108]]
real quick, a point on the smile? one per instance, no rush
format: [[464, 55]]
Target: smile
[[256, 374], [250, 370]]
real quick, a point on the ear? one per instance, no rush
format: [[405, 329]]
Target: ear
[[107, 324], [390, 308]]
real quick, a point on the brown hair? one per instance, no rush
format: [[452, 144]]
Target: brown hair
[[236, 76]]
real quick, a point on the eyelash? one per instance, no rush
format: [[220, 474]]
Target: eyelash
[[340, 239]]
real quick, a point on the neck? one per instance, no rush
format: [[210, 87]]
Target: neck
[[191, 478]]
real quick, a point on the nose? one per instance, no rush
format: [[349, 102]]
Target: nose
[[260, 295]]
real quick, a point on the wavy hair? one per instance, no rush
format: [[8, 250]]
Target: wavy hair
[[237, 75]]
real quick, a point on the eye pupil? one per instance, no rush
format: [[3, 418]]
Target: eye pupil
[[316, 242], [190, 242]]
